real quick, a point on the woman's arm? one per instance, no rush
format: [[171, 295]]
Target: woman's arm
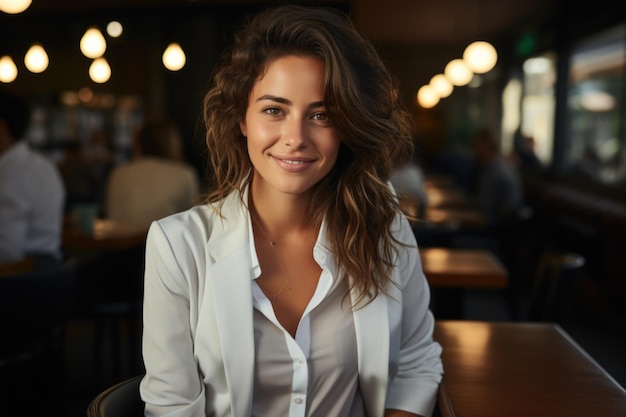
[[420, 369], [172, 385]]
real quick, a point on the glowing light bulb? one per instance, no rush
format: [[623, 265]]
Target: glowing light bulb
[[480, 57], [93, 44], [458, 73], [8, 70], [427, 97], [14, 6], [114, 29], [174, 57], [100, 71], [36, 59], [441, 85]]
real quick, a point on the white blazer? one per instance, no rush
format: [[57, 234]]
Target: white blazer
[[198, 340]]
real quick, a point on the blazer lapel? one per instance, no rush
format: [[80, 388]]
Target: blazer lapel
[[229, 270], [371, 324]]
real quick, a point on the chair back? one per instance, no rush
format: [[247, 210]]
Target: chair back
[[120, 400], [34, 309]]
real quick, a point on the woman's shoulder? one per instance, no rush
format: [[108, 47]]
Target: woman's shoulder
[[203, 221]]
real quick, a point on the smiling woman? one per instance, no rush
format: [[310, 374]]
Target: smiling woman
[[288, 130], [298, 284]]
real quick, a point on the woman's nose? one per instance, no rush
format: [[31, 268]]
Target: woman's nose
[[294, 134]]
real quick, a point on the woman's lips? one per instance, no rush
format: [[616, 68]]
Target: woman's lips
[[293, 164]]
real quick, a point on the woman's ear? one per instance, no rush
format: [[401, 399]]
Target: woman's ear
[[244, 130]]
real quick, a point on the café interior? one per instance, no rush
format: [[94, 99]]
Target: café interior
[[531, 313]]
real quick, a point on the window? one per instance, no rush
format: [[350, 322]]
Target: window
[[596, 146], [538, 104]]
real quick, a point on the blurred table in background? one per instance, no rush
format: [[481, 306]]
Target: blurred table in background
[[450, 272], [105, 235], [439, 181], [463, 268], [521, 370], [455, 218], [448, 197]]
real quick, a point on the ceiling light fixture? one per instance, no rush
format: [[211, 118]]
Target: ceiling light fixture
[[8, 70], [93, 44], [174, 57], [480, 57], [36, 59]]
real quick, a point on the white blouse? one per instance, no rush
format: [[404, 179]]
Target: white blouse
[[315, 374]]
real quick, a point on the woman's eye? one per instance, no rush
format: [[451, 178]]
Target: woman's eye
[[272, 111], [323, 117]]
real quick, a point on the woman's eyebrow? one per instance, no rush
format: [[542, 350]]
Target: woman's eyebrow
[[275, 98], [287, 102]]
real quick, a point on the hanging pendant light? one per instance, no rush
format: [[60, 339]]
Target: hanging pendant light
[[114, 29], [14, 6], [441, 85], [100, 71], [174, 57], [36, 59], [427, 97], [8, 70], [458, 73], [92, 44], [480, 56]]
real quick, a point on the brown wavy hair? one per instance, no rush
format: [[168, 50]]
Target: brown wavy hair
[[361, 101]]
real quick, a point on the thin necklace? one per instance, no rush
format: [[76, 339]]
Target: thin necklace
[[272, 243]]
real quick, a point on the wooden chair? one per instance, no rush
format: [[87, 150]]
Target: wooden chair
[[554, 285], [34, 309], [120, 400]]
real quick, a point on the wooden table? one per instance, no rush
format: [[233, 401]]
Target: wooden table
[[517, 369], [455, 218], [447, 197], [463, 268], [106, 235]]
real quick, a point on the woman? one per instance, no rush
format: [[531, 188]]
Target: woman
[[297, 289]]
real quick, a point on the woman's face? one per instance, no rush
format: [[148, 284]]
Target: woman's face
[[291, 142]]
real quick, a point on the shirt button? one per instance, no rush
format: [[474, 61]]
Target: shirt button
[[298, 401]]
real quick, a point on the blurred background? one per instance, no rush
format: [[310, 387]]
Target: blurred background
[[555, 90]]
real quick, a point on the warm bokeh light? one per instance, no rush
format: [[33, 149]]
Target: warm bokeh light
[[8, 70], [100, 71], [174, 57], [14, 6], [36, 59], [85, 94], [458, 73], [115, 29], [480, 57], [93, 44], [442, 86], [427, 97]]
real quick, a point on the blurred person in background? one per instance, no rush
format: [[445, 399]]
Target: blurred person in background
[[157, 182], [498, 191], [410, 185], [32, 193]]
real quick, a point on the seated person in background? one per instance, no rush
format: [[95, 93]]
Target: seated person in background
[[156, 183], [408, 181], [32, 194], [498, 191]]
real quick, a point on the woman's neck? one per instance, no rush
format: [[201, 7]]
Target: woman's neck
[[280, 214]]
